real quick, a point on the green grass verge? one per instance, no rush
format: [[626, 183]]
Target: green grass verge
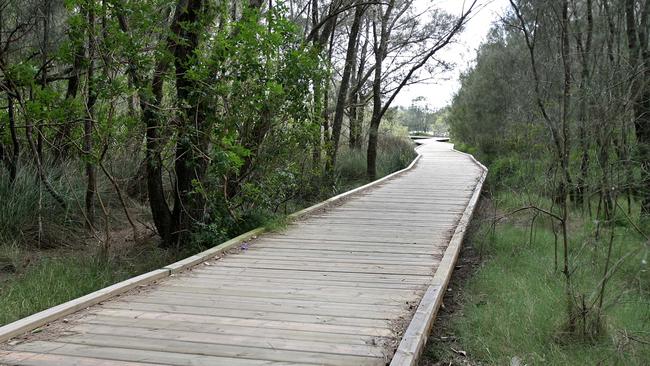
[[53, 280], [514, 305]]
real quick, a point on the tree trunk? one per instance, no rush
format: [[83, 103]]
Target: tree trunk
[[191, 142], [63, 134], [91, 176], [13, 168], [581, 180], [357, 108], [150, 106], [375, 119], [150, 95], [341, 101], [380, 48], [639, 57]]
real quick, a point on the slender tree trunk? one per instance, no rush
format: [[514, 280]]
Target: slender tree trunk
[[566, 179], [13, 169], [639, 58], [91, 175], [341, 101], [380, 46], [62, 142], [320, 41], [375, 119], [358, 105], [581, 180], [150, 96]]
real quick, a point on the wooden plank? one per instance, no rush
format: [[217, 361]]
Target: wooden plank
[[250, 314], [345, 253], [315, 308], [188, 326], [145, 356], [154, 336], [39, 359], [332, 267], [271, 281], [351, 304], [243, 322], [340, 259], [315, 262], [242, 353], [368, 277], [388, 298], [288, 245], [293, 288], [412, 243]]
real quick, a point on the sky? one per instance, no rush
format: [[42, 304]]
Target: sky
[[439, 93]]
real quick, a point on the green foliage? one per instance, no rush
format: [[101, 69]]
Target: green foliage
[[419, 119], [259, 101]]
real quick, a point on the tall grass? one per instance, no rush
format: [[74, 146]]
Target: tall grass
[[29, 214], [55, 279], [514, 306], [393, 153]]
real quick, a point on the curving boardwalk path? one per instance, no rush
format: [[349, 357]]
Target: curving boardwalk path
[[338, 287]]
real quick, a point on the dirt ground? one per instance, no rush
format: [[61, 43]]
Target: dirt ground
[[443, 347]]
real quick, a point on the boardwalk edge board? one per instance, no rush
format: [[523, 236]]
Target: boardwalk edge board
[[54, 313], [47, 316], [415, 337]]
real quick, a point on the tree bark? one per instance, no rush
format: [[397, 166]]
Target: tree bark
[[585, 52], [63, 135], [91, 176], [341, 101], [13, 166], [190, 164], [150, 95], [357, 109], [380, 47], [639, 58]]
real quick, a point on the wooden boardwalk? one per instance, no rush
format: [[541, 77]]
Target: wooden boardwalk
[[338, 287]]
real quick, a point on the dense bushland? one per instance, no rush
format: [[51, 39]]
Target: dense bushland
[[136, 132], [195, 117]]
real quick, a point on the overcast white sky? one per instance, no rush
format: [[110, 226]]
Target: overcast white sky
[[439, 93]]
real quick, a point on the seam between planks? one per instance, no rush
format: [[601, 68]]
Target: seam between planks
[[415, 337], [49, 315]]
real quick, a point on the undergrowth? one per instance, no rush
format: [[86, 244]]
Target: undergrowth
[[513, 306]]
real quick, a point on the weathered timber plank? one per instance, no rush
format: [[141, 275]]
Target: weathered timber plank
[[146, 356], [250, 331], [243, 322], [40, 359]]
